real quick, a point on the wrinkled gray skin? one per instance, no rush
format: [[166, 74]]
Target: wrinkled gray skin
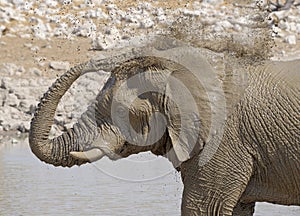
[[258, 157]]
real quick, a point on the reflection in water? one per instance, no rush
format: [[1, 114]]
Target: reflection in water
[[30, 187]]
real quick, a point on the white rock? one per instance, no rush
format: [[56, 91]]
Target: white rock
[[188, 12], [14, 141], [161, 18], [3, 96], [291, 39], [225, 24], [298, 28], [213, 1], [89, 3], [280, 14], [11, 69], [2, 29], [66, 2], [7, 83], [145, 6], [6, 111], [6, 127], [283, 25], [35, 48], [24, 127], [160, 14], [51, 3], [147, 23], [15, 116], [96, 14], [292, 18], [112, 30], [293, 27], [35, 71], [237, 27], [25, 35], [87, 29], [8, 68], [13, 124], [111, 7], [132, 18], [14, 14], [17, 2], [59, 65], [33, 83], [104, 42], [279, 33], [41, 30], [40, 34], [62, 29], [218, 28], [25, 105], [26, 6], [12, 100], [21, 95], [28, 45]]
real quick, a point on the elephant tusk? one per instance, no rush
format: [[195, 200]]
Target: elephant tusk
[[90, 155]]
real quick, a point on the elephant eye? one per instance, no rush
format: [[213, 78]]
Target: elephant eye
[[122, 150]]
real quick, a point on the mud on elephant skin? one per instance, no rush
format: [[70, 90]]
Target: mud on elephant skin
[[233, 132]]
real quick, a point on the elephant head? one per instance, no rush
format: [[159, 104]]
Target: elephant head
[[150, 102]]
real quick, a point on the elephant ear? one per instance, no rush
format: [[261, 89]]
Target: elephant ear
[[181, 144], [189, 113], [199, 98]]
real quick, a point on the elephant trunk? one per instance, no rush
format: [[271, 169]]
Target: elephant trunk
[[67, 149], [55, 151]]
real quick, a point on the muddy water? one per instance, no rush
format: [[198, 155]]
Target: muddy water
[[142, 185]]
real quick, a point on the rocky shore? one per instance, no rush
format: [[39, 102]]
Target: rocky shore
[[39, 40]]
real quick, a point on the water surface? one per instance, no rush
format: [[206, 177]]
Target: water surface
[[144, 185]]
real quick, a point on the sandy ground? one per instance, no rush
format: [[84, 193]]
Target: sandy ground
[[14, 50], [18, 51]]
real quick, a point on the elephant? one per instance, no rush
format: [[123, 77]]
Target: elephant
[[231, 130]]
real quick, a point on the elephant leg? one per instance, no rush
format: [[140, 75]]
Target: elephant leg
[[215, 188], [244, 209], [204, 205], [215, 192]]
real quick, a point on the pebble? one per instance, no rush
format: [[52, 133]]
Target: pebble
[[218, 28], [2, 29], [14, 141], [291, 39], [59, 65], [11, 69], [298, 28], [35, 71], [3, 95], [225, 24], [35, 48], [103, 42], [7, 83], [12, 100], [147, 23], [24, 127]]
